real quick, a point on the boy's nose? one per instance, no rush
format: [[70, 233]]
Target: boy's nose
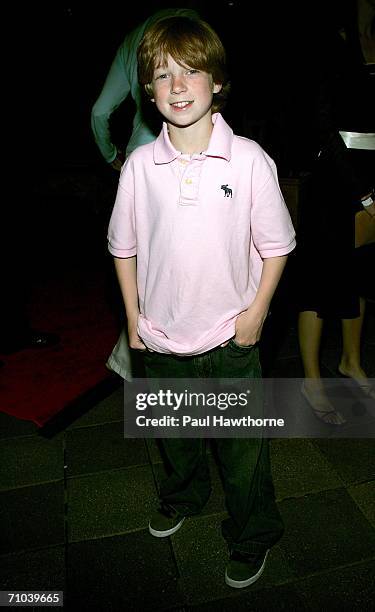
[[177, 85]]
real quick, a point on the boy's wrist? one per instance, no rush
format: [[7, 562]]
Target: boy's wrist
[[261, 306], [132, 318]]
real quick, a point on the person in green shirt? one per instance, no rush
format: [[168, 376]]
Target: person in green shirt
[[122, 81]]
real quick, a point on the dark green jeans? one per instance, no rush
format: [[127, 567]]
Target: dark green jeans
[[254, 521]]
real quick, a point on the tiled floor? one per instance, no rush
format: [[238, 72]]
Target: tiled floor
[[75, 509]]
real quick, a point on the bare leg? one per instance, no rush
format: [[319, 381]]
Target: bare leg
[[310, 332], [350, 363]]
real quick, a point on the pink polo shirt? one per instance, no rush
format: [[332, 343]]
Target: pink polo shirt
[[200, 227]]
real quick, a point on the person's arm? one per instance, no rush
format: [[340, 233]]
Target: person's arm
[[126, 270], [115, 89], [249, 323]]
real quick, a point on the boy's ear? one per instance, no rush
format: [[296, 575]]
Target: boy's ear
[[149, 90], [217, 87]]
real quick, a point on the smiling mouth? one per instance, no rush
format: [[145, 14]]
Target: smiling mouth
[[183, 104]]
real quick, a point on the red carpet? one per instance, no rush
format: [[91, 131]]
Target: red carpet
[[37, 384]]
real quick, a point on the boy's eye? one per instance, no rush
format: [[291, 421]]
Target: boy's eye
[[165, 75]]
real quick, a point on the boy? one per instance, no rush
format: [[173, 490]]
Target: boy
[[200, 234]]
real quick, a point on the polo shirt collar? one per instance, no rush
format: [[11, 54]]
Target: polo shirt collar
[[220, 144]]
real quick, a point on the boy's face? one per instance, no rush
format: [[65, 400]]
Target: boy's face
[[183, 95]]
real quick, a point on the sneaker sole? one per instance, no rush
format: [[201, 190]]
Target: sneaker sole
[[168, 532], [241, 584]]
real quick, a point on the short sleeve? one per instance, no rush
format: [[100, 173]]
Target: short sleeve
[[271, 226], [121, 232]]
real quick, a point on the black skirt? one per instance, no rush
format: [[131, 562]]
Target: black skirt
[[332, 274]]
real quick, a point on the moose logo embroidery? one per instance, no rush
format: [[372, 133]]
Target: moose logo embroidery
[[227, 191]]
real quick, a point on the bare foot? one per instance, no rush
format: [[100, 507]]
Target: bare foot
[[315, 395], [359, 377]]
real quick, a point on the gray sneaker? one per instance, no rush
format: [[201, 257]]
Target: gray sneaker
[[242, 571], [165, 521]]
